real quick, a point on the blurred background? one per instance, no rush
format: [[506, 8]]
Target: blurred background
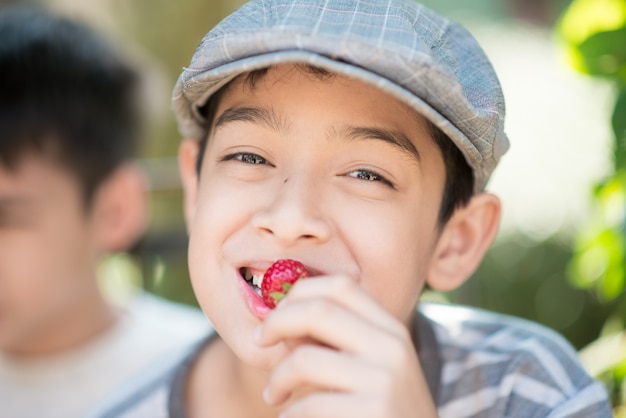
[[560, 255]]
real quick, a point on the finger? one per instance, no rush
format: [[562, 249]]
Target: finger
[[322, 369], [292, 344], [334, 326], [321, 320], [346, 292]]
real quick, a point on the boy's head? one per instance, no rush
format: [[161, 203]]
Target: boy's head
[[421, 58], [69, 129], [356, 137], [66, 95]]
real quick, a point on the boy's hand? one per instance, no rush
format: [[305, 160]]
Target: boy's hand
[[362, 362]]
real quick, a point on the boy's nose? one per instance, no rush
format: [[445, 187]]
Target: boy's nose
[[294, 215]]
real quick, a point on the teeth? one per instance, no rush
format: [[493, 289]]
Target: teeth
[[257, 280]]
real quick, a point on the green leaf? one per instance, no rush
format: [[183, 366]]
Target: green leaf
[[280, 295], [612, 283], [583, 18], [611, 201], [588, 266], [620, 370], [277, 295], [618, 122], [578, 27], [604, 53]]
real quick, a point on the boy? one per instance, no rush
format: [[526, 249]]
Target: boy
[[357, 138], [69, 194]]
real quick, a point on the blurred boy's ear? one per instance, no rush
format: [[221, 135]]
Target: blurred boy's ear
[[187, 164], [465, 239], [120, 208]]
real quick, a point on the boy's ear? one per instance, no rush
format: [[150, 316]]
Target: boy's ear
[[120, 208], [465, 239], [187, 163]]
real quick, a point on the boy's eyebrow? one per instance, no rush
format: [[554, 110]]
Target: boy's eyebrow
[[271, 120], [392, 137], [259, 115]]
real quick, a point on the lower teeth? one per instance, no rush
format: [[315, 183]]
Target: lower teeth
[[256, 289], [250, 282]]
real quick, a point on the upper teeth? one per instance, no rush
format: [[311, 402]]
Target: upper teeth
[[257, 279]]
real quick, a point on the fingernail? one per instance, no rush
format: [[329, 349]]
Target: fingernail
[[266, 395]]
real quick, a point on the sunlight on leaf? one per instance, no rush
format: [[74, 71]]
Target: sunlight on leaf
[[588, 48], [612, 282], [589, 266], [593, 36], [604, 354], [612, 200], [587, 17]]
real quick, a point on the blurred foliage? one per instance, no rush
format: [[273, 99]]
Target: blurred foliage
[[170, 32], [526, 278], [594, 35]]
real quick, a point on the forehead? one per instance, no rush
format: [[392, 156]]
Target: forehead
[[340, 106], [35, 175], [271, 77], [272, 85]]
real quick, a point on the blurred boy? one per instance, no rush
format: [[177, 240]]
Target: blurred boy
[[357, 138], [69, 194]]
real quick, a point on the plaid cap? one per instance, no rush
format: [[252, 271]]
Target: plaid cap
[[425, 60]]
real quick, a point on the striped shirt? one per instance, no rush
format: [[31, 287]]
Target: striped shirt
[[478, 364]]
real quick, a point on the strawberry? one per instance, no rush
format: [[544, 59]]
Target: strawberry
[[279, 278]]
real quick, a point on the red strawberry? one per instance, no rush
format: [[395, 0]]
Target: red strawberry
[[279, 278]]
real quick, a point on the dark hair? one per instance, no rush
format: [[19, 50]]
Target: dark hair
[[66, 94], [459, 184]]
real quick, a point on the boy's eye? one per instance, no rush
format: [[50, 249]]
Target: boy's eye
[[369, 176], [250, 159], [246, 157]]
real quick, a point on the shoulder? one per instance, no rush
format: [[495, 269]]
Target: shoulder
[[499, 365], [149, 393], [154, 339], [151, 326], [148, 328], [472, 329], [171, 317]]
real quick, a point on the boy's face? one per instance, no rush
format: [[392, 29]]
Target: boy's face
[[331, 172], [47, 251]]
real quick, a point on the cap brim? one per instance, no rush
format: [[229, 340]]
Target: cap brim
[[189, 97]]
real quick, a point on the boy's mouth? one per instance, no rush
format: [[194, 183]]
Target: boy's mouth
[[254, 279]]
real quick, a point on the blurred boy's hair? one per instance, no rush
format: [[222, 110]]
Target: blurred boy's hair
[[66, 94]]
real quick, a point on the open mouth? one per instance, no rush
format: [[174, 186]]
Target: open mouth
[[254, 280]]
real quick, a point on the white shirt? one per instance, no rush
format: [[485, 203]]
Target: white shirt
[[70, 384]]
